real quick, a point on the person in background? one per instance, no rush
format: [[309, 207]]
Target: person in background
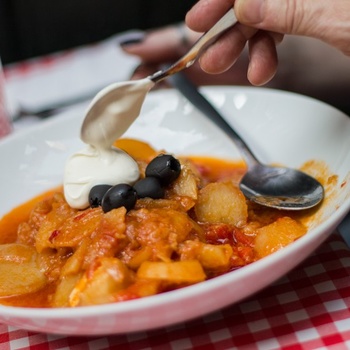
[[299, 63]]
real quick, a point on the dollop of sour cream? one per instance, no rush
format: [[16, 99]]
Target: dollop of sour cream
[[109, 115]]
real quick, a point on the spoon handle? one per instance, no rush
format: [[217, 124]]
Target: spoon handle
[[226, 22], [190, 91]]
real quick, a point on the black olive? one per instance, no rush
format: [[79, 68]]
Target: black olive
[[149, 187], [96, 194], [165, 168], [121, 195]]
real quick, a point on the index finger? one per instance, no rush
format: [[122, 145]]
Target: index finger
[[205, 13]]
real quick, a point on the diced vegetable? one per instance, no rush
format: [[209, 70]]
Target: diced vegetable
[[277, 235], [19, 271], [178, 272], [221, 202], [187, 183], [212, 257], [98, 285], [64, 289]]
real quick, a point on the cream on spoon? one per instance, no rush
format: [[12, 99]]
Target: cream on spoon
[[113, 110], [100, 163]]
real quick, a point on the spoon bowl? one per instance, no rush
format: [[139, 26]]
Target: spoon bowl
[[281, 188], [276, 187]]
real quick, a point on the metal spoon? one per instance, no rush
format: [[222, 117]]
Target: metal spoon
[[115, 107], [276, 187]]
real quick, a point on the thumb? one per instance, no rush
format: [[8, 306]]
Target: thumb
[[299, 17]]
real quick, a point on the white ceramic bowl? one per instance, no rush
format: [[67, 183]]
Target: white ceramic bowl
[[280, 127]]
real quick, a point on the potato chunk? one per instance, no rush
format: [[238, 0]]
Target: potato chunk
[[177, 272], [221, 202], [19, 271], [212, 257], [63, 290], [277, 235], [187, 183], [100, 282]]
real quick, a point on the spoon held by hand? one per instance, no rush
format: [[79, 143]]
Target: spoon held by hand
[[276, 187], [116, 106]]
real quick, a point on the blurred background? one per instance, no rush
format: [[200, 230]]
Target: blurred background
[[31, 28]]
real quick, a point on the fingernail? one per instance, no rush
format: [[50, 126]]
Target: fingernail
[[131, 38], [250, 11], [130, 42]]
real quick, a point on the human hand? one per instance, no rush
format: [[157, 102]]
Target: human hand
[[321, 19], [260, 21]]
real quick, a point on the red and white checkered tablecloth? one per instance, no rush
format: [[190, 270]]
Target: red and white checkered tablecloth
[[306, 309]]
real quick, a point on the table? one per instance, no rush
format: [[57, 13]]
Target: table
[[306, 309]]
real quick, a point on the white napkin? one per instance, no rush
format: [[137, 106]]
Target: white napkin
[[68, 76]]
